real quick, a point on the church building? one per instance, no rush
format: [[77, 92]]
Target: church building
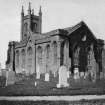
[[74, 47]]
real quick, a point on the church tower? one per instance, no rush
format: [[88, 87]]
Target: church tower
[[30, 22]]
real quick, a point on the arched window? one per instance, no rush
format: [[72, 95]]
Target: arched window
[[23, 55], [17, 59], [47, 58], [62, 53], [29, 58], [76, 56], [25, 37], [29, 51], [39, 50], [55, 52], [34, 27], [47, 51], [25, 27]]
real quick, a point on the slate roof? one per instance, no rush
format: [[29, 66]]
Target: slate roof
[[65, 31]]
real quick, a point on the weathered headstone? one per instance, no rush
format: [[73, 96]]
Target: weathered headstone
[[38, 72], [4, 73], [76, 73], [55, 74], [10, 77], [46, 76], [68, 74], [101, 75], [0, 70], [62, 77], [86, 75], [82, 74], [35, 83]]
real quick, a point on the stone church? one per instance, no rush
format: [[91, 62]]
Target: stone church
[[74, 47]]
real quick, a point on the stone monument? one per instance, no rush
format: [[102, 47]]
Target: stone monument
[[10, 77], [76, 73], [46, 76], [63, 77]]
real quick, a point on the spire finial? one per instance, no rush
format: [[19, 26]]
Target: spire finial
[[40, 10], [33, 11], [29, 8], [22, 10]]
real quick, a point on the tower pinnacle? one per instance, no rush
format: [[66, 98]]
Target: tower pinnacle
[[40, 11], [29, 8], [33, 11], [22, 12]]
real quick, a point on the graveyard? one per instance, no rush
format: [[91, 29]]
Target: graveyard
[[21, 85]]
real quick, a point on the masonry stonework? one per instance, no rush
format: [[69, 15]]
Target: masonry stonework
[[40, 53]]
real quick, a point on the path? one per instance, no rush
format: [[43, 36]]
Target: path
[[52, 98]]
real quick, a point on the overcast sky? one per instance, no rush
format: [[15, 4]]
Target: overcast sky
[[56, 14]]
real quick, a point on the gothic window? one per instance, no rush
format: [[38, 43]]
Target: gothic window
[[29, 53], [34, 27], [62, 53], [47, 58], [47, 51], [25, 36], [25, 27], [55, 52], [82, 59], [39, 50], [76, 56], [17, 59], [84, 38], [89, 56], [23, 55]]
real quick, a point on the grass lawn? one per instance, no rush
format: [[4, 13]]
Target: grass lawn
[[26, 87], [81, 102]]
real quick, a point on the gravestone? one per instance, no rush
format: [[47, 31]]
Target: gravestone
[[68, 74], [23, 71], [10, 78], [86, 75], [76, 73], [46, 76], [101, 75], [38, 72], [63, 77], [0, 70], [82, 74], [35, 83], [4, 73]]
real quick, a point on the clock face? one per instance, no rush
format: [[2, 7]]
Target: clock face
[[84, 38]]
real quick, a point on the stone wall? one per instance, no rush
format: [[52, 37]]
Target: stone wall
[[47, 57]]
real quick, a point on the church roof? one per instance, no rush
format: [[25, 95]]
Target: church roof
[[65, 31], [75, 27]]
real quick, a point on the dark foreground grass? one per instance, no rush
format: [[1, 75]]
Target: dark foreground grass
[[81, 102], [27, 88]]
